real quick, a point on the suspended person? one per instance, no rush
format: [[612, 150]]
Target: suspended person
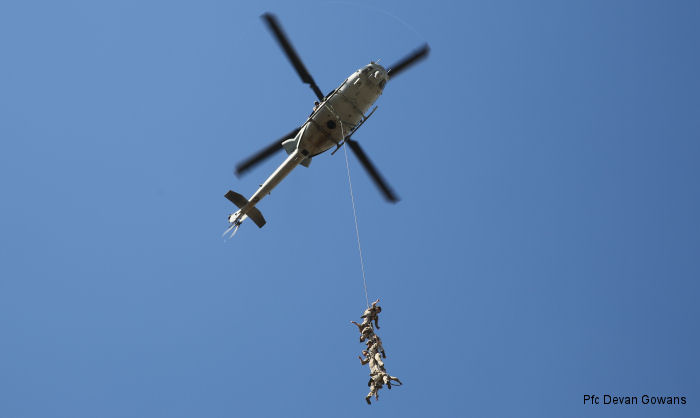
[[370, 314], [373, 358], [376, 382], [387, 379], [375, 344], [366, 331]]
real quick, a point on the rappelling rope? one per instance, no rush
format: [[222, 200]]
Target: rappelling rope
[[357, 229], [354, 214]]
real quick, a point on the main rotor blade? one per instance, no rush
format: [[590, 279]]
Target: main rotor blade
[[276, 29], [263, 154], [372, 170], [409, 60]]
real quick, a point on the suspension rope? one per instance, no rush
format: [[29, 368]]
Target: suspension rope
[[352, 199], [354, 209], [357, 229]]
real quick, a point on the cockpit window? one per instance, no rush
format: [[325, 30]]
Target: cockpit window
[[382, 84]]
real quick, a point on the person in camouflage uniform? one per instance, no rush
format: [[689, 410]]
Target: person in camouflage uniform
[[374, 353]]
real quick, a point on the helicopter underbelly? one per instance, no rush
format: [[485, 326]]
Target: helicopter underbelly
[[338, 115]]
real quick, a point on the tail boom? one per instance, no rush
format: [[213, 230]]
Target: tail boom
[[247, 207]]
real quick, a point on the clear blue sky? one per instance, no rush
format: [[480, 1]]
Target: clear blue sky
[[546, 246]]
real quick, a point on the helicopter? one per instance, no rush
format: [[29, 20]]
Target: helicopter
[[335, 118]]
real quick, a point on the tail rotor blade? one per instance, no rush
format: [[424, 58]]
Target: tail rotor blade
[[282, 39], [409, 60], [263, 154], [372, 170]]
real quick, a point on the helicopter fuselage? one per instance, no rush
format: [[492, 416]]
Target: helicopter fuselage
[[342, 110]]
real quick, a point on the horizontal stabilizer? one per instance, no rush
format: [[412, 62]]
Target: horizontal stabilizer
[[236, 199], [256, 216], [240, 201]]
